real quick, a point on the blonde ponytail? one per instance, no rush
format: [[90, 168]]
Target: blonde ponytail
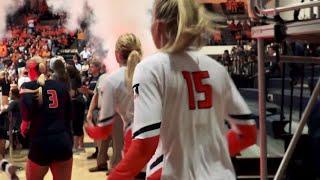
[[186, 20], [129, 46], [133, 60]]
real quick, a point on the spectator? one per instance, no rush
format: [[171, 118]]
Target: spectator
[[85, 69], [92, 117], [3, 50], [78, 105], [44, 52], [21, 66], [15, 56], [247, 30], [85, 54], [76, 60], [226, 58], [239, 26], [95, 67], [232, 26], [23, 78], [217, 38], [14, 109], [5, 86], [81, 35]]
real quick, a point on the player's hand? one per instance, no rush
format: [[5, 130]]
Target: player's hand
[[24, 128], [14, 177], [12, 172], [82, 90], [85, 90]]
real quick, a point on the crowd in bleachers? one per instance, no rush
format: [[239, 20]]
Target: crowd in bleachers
[[234, 33], [241, 60]]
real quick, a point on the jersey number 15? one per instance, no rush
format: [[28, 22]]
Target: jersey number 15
[[195, 78]]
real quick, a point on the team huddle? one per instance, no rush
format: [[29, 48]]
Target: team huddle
[[173, 104]]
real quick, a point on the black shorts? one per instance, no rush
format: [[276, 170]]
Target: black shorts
[[48, 149], [78, 117], [3, 133]]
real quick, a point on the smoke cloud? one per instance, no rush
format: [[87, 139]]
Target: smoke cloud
[[7, 7], [110, 20], [74, 8]]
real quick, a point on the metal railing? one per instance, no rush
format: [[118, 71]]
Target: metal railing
[[256, 12]]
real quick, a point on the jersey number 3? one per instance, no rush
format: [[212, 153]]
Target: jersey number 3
[[195, 78], [53, 98]]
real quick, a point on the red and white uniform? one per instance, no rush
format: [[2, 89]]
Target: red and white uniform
[[184, 99], [114, 98]]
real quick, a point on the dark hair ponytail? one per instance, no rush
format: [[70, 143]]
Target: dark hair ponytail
[[60, 73]]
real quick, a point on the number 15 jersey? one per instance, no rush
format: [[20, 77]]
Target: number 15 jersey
[[184, 99]]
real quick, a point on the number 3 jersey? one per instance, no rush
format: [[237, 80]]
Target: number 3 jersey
[[184, 99], [53, 116]]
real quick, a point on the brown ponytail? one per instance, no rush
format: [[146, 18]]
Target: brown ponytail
[[60, 73]]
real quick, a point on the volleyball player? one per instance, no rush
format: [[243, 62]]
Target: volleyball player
[[182, 99]]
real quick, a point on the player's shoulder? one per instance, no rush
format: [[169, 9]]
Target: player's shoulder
[[117, 74], [207, 62], [56, 85], [154, 58], [154, 62], [163, 59], [30, 85], [115, 77]]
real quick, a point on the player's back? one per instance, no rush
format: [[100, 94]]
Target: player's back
[[122, 97], [192, 144], [53, 116]]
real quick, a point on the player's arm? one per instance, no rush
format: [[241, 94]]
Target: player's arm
[[28, 106], [93, 105], [243, 132], [103, 128], [146, 126]]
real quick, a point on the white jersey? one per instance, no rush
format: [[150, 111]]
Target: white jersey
[[116, 98], [22, 80], [85, 54], [185, 98]]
